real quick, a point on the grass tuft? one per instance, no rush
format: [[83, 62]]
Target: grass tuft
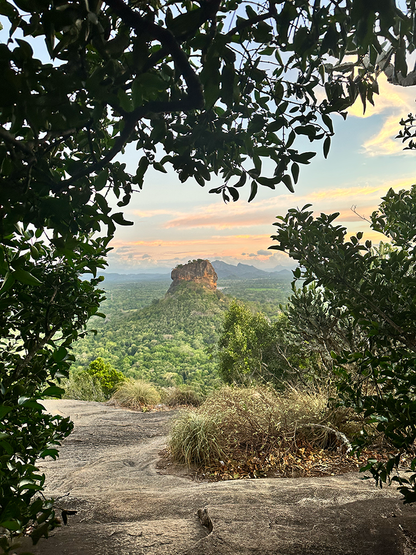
[[136, 394], [183, 395], [194, 439]]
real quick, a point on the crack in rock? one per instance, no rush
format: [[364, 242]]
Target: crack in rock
[[205, 519]]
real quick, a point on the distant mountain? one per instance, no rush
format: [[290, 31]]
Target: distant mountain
[[111, 277], [223, 270], [247, 271], [282, 274], [280, 268]]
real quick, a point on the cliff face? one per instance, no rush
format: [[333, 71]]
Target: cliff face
[[200, 272]]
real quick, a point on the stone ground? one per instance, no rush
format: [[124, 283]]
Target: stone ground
[[107, 472]]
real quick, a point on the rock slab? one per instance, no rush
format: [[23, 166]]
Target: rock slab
[[107, 472]]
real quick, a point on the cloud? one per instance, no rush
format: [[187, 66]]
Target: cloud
[[219, 221], [263, 252], [151, 213], [342, 192], [391, 97], [384, 142]]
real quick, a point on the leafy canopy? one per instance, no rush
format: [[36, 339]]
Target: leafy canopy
[[376, 289], [217, 87], [252, 349]]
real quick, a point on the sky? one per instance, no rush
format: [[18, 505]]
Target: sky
[[175, 222]]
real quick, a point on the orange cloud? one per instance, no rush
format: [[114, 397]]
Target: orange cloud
[[151, 213], [218, 222]]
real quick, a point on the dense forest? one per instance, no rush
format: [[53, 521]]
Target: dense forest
[[170, 339]]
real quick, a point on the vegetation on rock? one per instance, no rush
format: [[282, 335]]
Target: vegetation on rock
[[169, 342], [254, 431], [136, 394]]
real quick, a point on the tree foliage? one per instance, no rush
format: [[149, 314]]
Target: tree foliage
[[212, 84], [108, 376], [44, 308], [253, 349], [324, 326], [377, 289], [169, 342]]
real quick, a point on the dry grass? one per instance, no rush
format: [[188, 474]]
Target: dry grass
[[194, 439], [182, 395], [254, 428], [136, 394]]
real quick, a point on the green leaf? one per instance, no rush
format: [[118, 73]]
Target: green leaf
[[186, 23], [25, 277], [53, 391], [13, 525], [288, 182], [119, 219], [327, 146], [4, 409], [328, 122], [159, 167], [295, 171], [253, 191], [125, 101], [101, 180]]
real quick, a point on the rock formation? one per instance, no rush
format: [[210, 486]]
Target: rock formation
[[198, 271]]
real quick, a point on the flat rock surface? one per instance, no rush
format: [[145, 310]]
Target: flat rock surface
[[107, 472]]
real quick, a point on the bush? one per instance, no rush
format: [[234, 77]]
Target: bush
[[236, 424], [83, 386], [136, 394], [182, 395], [108, 376]]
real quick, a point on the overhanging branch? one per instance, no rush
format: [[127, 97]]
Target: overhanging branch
[[193, 100]]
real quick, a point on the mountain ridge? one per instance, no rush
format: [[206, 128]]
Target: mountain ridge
[[223, 270]]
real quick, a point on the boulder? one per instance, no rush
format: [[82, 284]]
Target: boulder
[[198, 271]]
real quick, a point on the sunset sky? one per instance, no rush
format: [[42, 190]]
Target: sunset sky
[[175, 222]]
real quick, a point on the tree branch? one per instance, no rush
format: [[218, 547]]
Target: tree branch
[[11, 140], [192, 101]]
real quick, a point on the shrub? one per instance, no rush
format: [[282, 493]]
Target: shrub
[[136, 394], [182, 395], [83, 386], [235, 424], [108, 376]]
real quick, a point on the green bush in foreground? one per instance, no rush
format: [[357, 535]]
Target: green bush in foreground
[[136, 394], [236, 423]]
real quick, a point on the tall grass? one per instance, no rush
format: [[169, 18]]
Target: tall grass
[[182, 395], [194, 439]]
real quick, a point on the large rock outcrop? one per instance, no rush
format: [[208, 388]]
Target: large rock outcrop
[[199, 271]]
